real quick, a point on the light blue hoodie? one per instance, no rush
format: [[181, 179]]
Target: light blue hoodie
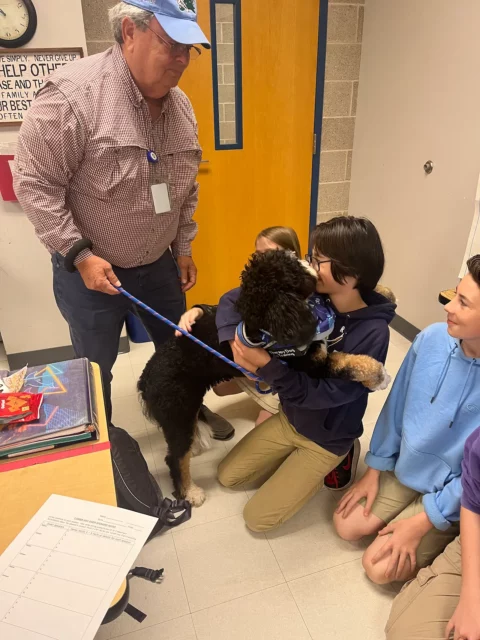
[[433, 407]]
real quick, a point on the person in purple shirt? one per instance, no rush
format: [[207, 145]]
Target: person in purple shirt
[[444, 600]]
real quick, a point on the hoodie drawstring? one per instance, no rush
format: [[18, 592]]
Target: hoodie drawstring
[[442, 377], [460, 400]]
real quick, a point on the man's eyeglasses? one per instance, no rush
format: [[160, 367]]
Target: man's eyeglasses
[[315, 262], [177, 49]]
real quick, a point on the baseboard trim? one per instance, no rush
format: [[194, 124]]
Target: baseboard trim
[[56, 354], [404, 328]]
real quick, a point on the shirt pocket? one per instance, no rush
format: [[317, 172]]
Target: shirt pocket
[[181, 168], [113, 173]]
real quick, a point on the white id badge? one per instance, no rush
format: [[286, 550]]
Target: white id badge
[[161, 199]]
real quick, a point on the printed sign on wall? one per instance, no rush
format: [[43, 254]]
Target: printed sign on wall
[[23, 72]]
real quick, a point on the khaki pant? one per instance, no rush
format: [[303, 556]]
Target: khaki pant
[[396, 502], [296, 467], [423, 608], [268, 401]]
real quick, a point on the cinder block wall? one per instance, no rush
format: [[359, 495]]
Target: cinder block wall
[[344, 38]]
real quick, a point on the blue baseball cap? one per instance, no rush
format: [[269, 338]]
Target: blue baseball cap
[[177, 17]]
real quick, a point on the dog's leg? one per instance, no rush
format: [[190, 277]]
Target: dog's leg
[[189, 490], [320, 354], [359, 368]]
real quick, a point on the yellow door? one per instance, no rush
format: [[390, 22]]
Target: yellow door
[[266, 182]]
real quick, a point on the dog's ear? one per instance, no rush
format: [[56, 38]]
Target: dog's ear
[[273, 296], [289, 320]]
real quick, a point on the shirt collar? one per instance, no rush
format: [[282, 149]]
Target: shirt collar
[[126, 77]]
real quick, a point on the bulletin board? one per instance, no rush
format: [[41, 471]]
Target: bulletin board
[[23, 72]]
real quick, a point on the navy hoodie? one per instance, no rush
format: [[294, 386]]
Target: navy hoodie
[[328, 411]]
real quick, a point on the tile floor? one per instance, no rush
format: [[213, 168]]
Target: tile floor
[[299, 582]]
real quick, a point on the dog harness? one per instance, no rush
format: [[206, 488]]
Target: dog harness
[[325, 322]]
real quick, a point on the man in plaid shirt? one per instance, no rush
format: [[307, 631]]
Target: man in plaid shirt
[[106, 171]]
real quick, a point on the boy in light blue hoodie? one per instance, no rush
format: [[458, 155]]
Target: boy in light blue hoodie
[[413, 483]]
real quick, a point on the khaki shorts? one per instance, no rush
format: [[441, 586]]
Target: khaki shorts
[[396, 502], [269, 401], [425, 605]]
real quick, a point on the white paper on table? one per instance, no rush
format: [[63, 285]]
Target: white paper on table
[[59, 576]]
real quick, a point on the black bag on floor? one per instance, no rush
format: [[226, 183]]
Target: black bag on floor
[[137, 489]]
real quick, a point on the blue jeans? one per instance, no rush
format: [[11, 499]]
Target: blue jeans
[[96, 319]]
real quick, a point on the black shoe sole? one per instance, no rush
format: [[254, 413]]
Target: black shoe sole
[[229, 436]]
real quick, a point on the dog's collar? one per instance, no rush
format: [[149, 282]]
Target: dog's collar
[[266, 339], [325, 317], [325, 323]]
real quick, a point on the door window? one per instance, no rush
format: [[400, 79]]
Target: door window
[[227, 73]]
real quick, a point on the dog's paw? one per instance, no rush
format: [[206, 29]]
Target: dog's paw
[[382, 382], [195, 495]]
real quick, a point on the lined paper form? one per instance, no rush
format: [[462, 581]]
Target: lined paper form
[[59, 576]]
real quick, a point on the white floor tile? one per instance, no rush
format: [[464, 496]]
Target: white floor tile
[[178, 629], [146, 449], [123, 384], [269, 615], [123, 359], [307, 543], [399, 341], [127, 413], [222, 560], [395, 357], [138, 369], [376, 400], [141, 353], [161, 602], [342, 603], [242, 427]]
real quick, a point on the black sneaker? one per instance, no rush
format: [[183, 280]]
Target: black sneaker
[[343, 476], [221, 428]]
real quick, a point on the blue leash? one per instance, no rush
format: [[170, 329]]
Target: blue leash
[[196, 340]]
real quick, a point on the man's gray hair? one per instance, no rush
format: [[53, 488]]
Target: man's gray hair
[[122, 10]]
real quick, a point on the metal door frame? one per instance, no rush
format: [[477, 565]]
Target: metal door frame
[[318, 115]]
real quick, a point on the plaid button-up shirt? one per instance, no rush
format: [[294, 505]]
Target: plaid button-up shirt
[[82, 171]]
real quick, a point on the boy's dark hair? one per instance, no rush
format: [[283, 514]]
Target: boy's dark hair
[[473, 265], [355, 248]]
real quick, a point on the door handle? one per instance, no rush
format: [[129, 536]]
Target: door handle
[[204, 161]]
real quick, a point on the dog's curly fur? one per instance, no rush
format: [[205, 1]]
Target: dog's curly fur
[[272, 298]]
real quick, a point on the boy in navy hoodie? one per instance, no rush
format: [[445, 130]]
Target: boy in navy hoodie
[[320, 419], [410, 494]]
